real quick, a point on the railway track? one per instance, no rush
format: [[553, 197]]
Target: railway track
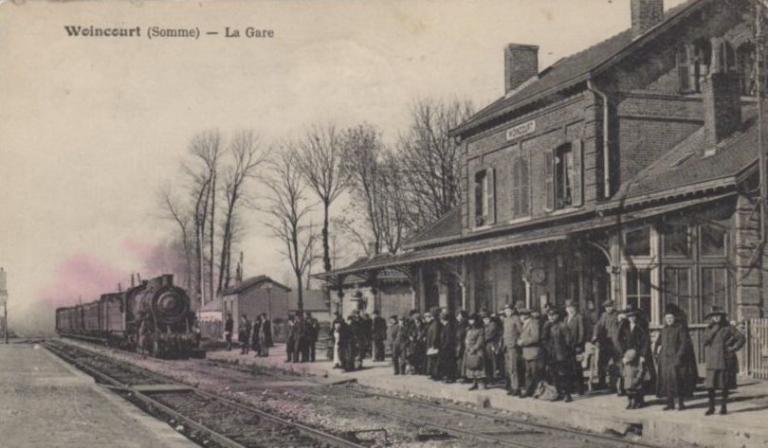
[[435, 421], [207, 419]]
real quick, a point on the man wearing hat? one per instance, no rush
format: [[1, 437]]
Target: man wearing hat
[[529, 342], [605, 334], [559, 354], [513, 365], [721, 342], [432, 344], [574, 323], [492, 333], [446, 356]]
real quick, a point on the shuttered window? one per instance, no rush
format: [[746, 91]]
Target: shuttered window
[[480, 188], [490, 197], [520, 187], [549, 181]]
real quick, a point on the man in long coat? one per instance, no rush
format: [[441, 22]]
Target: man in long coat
[[460, 334], [513, 363], [228, 327], [379, 336], [721, 342], [559, 354], [312, 330], [671, 345], [605, 334], [432, 339], [446, 357], [290, 340], [244, 334], [492, 332], [395, 341], [577, 336], [529, 342]]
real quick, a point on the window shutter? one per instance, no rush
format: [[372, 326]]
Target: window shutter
[[523, 189], [549, 181], [515, 190], [683, 70], [491, 179], [577, 176]]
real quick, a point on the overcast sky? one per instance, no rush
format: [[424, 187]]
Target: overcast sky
[[90, 128]]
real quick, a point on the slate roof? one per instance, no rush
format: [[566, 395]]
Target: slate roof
[[528, 237], [250, 283], [570, 71], [685, 168], [447, 227]]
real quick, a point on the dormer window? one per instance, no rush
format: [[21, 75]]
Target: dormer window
[[693, 63]]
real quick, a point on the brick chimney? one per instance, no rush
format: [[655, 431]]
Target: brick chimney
[[645, 15], [521, 63], [722, 101]]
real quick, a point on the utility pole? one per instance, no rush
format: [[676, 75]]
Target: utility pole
[[760, 116], [4, 302]]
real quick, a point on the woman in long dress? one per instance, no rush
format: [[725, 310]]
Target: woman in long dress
[[474, 354]]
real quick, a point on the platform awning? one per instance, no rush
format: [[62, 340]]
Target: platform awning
[[522, 238]]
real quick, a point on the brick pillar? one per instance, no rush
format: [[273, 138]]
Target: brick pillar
[[749, 274]]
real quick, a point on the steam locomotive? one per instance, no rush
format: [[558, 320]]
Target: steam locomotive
[[154, 318]]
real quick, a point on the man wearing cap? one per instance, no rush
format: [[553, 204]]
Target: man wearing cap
[[395, 341], [529, 342], [721, 342], [379, 336], [460, 337], [512, 327], [446, 367], [605, 334]]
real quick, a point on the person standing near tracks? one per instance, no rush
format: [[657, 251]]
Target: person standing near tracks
[[300, 342], [255, 341], [446, 357], [671, 346], [460, 337], [474, 355], [229, 325], [530, 344], [605, 334], [512, 326], [433, 329], [379, 336], [577, 336], [244, 334], [313, 333], [492, 334], [559, 355], [262, 335], [634, 334], [721, 342], [395, 343], [290, 340], [366, 334]]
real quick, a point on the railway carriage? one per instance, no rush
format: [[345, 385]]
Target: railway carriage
[[154, 317]]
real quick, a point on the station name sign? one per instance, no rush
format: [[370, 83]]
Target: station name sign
[[521, 130]]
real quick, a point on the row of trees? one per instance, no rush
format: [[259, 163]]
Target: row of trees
[[385, 192]]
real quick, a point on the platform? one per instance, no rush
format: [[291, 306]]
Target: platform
[[46, 403], [743, 427]]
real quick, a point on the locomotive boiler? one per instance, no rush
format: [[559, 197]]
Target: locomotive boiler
[[154, 317]]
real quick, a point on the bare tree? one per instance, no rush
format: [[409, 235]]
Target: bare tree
[[246, 156], [320, 159], [376, 183], [288, 207], [430, 159], [205, 148], [175, 211]]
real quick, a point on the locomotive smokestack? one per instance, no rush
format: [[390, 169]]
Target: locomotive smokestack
[[133, 283]]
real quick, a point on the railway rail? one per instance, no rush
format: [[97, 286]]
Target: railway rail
[[435, 420], [210, 420]]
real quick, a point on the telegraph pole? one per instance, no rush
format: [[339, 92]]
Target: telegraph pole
[[760, 116]]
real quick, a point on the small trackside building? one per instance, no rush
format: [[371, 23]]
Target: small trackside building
[[627, 171]]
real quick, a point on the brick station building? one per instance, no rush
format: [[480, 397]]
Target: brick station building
[[625, 171]]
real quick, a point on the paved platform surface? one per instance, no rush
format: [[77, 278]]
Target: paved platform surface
[[745, 426], [46, 403]]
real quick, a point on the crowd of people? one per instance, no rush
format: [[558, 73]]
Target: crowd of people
[[553, 354]]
